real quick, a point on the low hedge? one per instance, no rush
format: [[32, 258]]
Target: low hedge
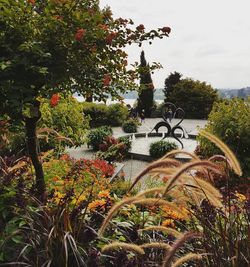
[[159, 148], [101, 114], [130, 126]]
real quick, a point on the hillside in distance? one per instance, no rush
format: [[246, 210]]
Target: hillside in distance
[[224, 93]]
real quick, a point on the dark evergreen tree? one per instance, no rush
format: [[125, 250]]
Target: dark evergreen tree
[[170, 82], [146, 94]]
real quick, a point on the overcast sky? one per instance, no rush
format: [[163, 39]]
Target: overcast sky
[[209, 41]]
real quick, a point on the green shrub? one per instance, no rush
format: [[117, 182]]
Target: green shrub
[[101, 114], [66, 119], [113, 149], [160, 148], [117, 114], [98, 113], [230, 121], [97, 136], [130, 126]]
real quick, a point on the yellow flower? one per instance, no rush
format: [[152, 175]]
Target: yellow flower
[[97, 204], [168, 223], [104, 194], [78, 200], [57, 197], [240, 197]]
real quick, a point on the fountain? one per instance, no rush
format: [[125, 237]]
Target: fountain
[[173, 133]]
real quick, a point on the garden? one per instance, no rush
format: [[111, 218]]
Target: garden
[[56, 210]]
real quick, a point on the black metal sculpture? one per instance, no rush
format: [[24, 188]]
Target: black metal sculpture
[[169, 112]]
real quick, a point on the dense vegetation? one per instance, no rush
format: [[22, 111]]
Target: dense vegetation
[[229, 120], [195, 97]]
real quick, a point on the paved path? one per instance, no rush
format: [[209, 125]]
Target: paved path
[[133, 167]]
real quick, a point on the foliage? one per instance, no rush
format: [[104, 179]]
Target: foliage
[[190, 202], [101, 114], [97, 136], [170, 82], [113, 149], [97, 113], [195, 97], [146, 94], [117, 114], [159, 148], [50, 47], [85, 222], [67, 119], [130, 126], [229, 120]]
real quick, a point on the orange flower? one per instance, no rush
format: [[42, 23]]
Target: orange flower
[[168, 223], [104, 194], [79, 34], [97, 204], [54, 100]]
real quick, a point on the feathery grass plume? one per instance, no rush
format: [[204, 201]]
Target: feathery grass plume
[[151, 190], [178, 151], [186, 258], [207, 164], [163, 229], [125, 246], [156, 245], [234, 163], [165, 162], [113, 211], [204, 185], [167, 171], [177, 244]]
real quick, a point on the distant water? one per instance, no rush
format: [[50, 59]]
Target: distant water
[[131, 102]]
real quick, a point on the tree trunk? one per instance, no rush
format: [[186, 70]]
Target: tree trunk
[[30, 124]]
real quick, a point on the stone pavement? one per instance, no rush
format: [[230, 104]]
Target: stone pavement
[[191, 126], [131, 166]]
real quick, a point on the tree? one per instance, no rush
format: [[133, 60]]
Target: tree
[[170, 81], [195, 97], [146, 94], [56, 46]]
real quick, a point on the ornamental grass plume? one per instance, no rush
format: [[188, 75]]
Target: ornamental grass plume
[[163, 229], [125, 246], [234, 163], [154, 190], [161, 163], [177, 244], [207, 164], [178, 151], [186, 258], [155, 245]]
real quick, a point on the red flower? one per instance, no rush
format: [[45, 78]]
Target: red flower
[[106, 80], [79, 34], [32, 2], [54, 100], [166, 30], [140, 28], [110, 37]]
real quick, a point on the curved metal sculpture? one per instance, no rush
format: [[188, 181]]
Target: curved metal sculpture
[[169, 112]]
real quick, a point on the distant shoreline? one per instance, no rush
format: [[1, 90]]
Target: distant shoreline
[[130, 102]]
